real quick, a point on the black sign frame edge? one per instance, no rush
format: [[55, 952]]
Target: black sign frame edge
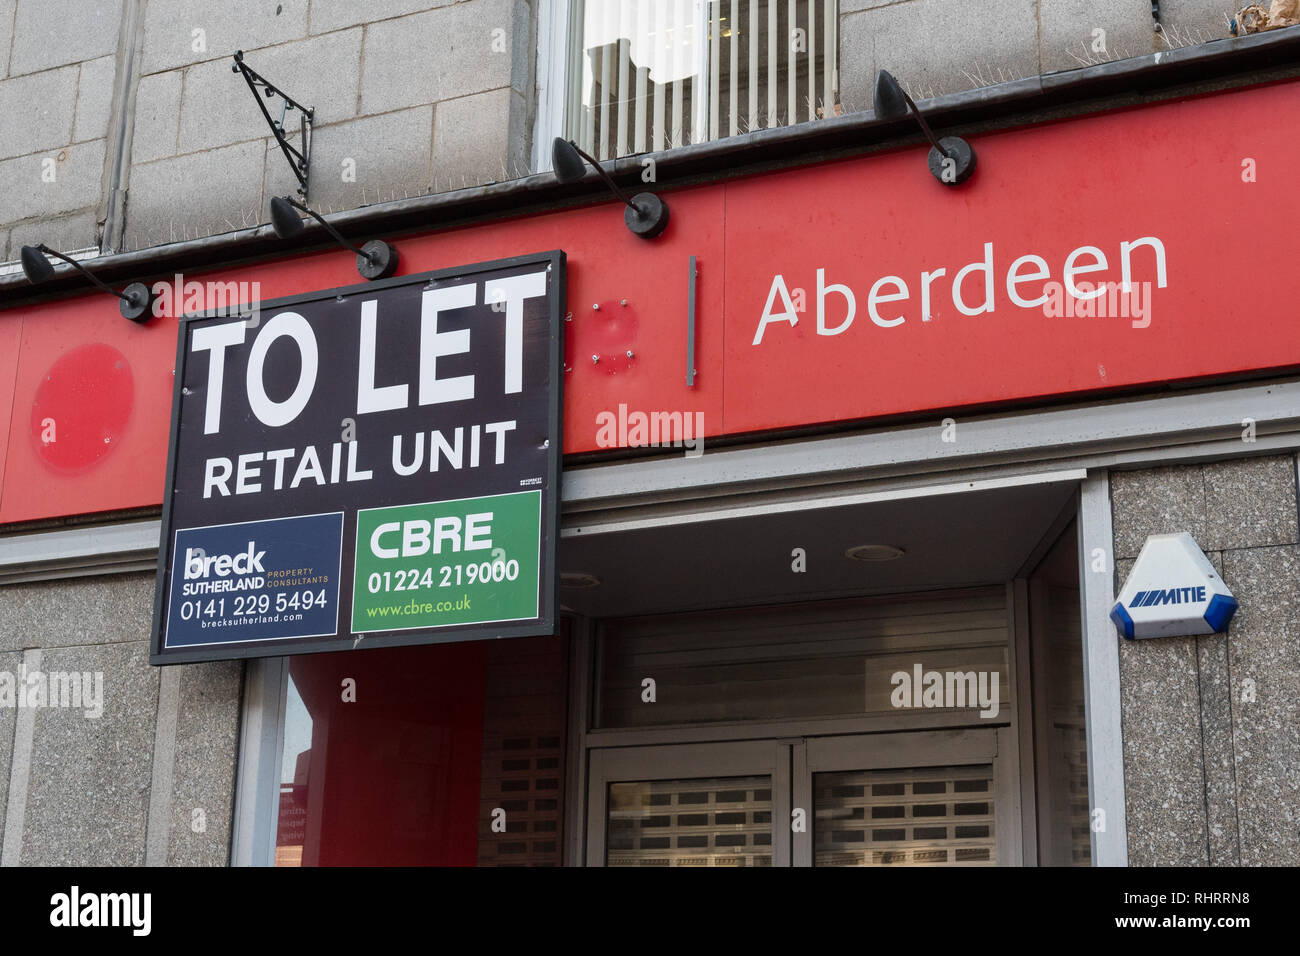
[[549, 585]]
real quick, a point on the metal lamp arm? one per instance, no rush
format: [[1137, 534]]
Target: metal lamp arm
[[84, 271], [925, 127], [330, 229], [603, 175]]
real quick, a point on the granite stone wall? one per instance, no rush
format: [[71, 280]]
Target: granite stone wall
[[150, 778], [1212, 724]]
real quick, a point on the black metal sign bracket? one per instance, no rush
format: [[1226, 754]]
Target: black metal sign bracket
[[299, 160]]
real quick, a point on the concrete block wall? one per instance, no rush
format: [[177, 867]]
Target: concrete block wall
[[935, 47], [58, 62], [410, 96], [1211, 724], [151, 779]]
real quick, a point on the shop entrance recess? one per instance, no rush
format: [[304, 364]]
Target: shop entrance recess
[[884, 683], [940, 798]]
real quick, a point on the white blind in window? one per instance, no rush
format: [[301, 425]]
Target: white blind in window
[[656, 74]]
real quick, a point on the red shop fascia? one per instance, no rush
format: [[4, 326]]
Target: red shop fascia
[[836, 282]]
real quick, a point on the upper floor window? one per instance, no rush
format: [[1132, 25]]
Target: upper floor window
[[656, 74]]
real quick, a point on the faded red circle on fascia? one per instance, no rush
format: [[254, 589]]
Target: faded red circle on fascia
[[83, 403]]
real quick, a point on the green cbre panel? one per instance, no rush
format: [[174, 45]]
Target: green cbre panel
[[443, 563]]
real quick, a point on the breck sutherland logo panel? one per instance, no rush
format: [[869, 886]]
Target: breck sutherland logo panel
[[256, 580]]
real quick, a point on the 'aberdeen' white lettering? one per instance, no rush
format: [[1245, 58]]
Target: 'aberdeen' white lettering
[[1028, 282]]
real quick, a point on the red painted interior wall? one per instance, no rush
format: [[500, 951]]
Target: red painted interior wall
[[391, 778]]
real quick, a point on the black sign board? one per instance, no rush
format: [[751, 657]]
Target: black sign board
[[370, 466]]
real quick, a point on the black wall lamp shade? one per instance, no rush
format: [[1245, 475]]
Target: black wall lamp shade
[[375, 260], [951, 159], [646, 214], [285, 220], [35, 266], [568, 164], [135, 302]]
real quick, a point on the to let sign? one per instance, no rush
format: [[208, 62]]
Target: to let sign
[[365, 467]]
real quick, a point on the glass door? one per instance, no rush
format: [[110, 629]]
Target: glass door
[[940, 798], [690, 805]]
